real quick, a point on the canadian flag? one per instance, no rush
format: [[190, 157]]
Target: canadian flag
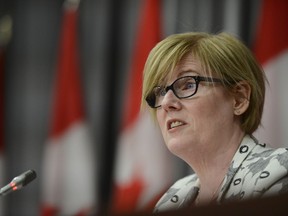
[[69, 166], [271, 49], [143, 168]]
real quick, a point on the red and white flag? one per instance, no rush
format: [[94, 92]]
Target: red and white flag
[[143, 167], [271, 49], [69, 166]]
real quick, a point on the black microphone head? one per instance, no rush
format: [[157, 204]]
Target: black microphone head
[[30, 175]]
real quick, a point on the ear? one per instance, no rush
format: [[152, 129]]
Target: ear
[[241, 92]]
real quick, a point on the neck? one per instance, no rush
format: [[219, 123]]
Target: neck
[[213, 153], [212, 166], [210, 186], [209, 193]]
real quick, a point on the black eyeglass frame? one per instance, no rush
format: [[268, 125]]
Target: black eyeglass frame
[[150, 99]]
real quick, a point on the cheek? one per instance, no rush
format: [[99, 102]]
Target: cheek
[[221, 114], [210, 114], [160, 120]]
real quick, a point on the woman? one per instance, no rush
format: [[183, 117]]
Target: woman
[[207, 94]]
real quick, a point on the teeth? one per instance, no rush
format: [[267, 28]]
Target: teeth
[[175, 124]]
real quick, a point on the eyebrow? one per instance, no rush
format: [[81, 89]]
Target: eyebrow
[[181, 73]]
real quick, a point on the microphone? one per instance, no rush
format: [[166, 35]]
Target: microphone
[[18, 182]]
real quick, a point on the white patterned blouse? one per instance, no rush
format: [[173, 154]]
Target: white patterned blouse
[[256, 171]]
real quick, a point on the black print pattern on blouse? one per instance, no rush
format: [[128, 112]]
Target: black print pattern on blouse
[[243, 149], [255, 171]]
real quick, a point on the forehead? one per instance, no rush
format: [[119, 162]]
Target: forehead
[[188, 65]]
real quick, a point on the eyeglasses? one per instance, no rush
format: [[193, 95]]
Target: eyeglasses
[[182, 87]]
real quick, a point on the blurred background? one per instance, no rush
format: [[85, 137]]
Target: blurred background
[[70, 94]]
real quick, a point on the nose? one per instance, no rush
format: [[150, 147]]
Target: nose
[[170, 101]]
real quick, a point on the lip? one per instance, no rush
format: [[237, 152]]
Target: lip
[[169, 122]]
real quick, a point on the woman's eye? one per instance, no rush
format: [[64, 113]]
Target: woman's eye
[[162, 92], [159, 92], [189, 85]]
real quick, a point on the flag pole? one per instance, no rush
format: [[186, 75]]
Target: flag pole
[[111, 124]]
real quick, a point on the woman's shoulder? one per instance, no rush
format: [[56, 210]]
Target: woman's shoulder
[[261, 152], [267, 153], [264, 161], [263, 168], [258, 170]]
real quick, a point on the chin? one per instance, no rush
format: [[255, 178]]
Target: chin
[[176, 148]]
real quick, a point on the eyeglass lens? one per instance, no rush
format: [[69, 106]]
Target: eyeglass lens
[[182, 88]]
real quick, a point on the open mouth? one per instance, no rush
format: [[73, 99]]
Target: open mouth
[[174, 124]]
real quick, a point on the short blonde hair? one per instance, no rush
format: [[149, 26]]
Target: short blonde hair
[[223, 54]]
